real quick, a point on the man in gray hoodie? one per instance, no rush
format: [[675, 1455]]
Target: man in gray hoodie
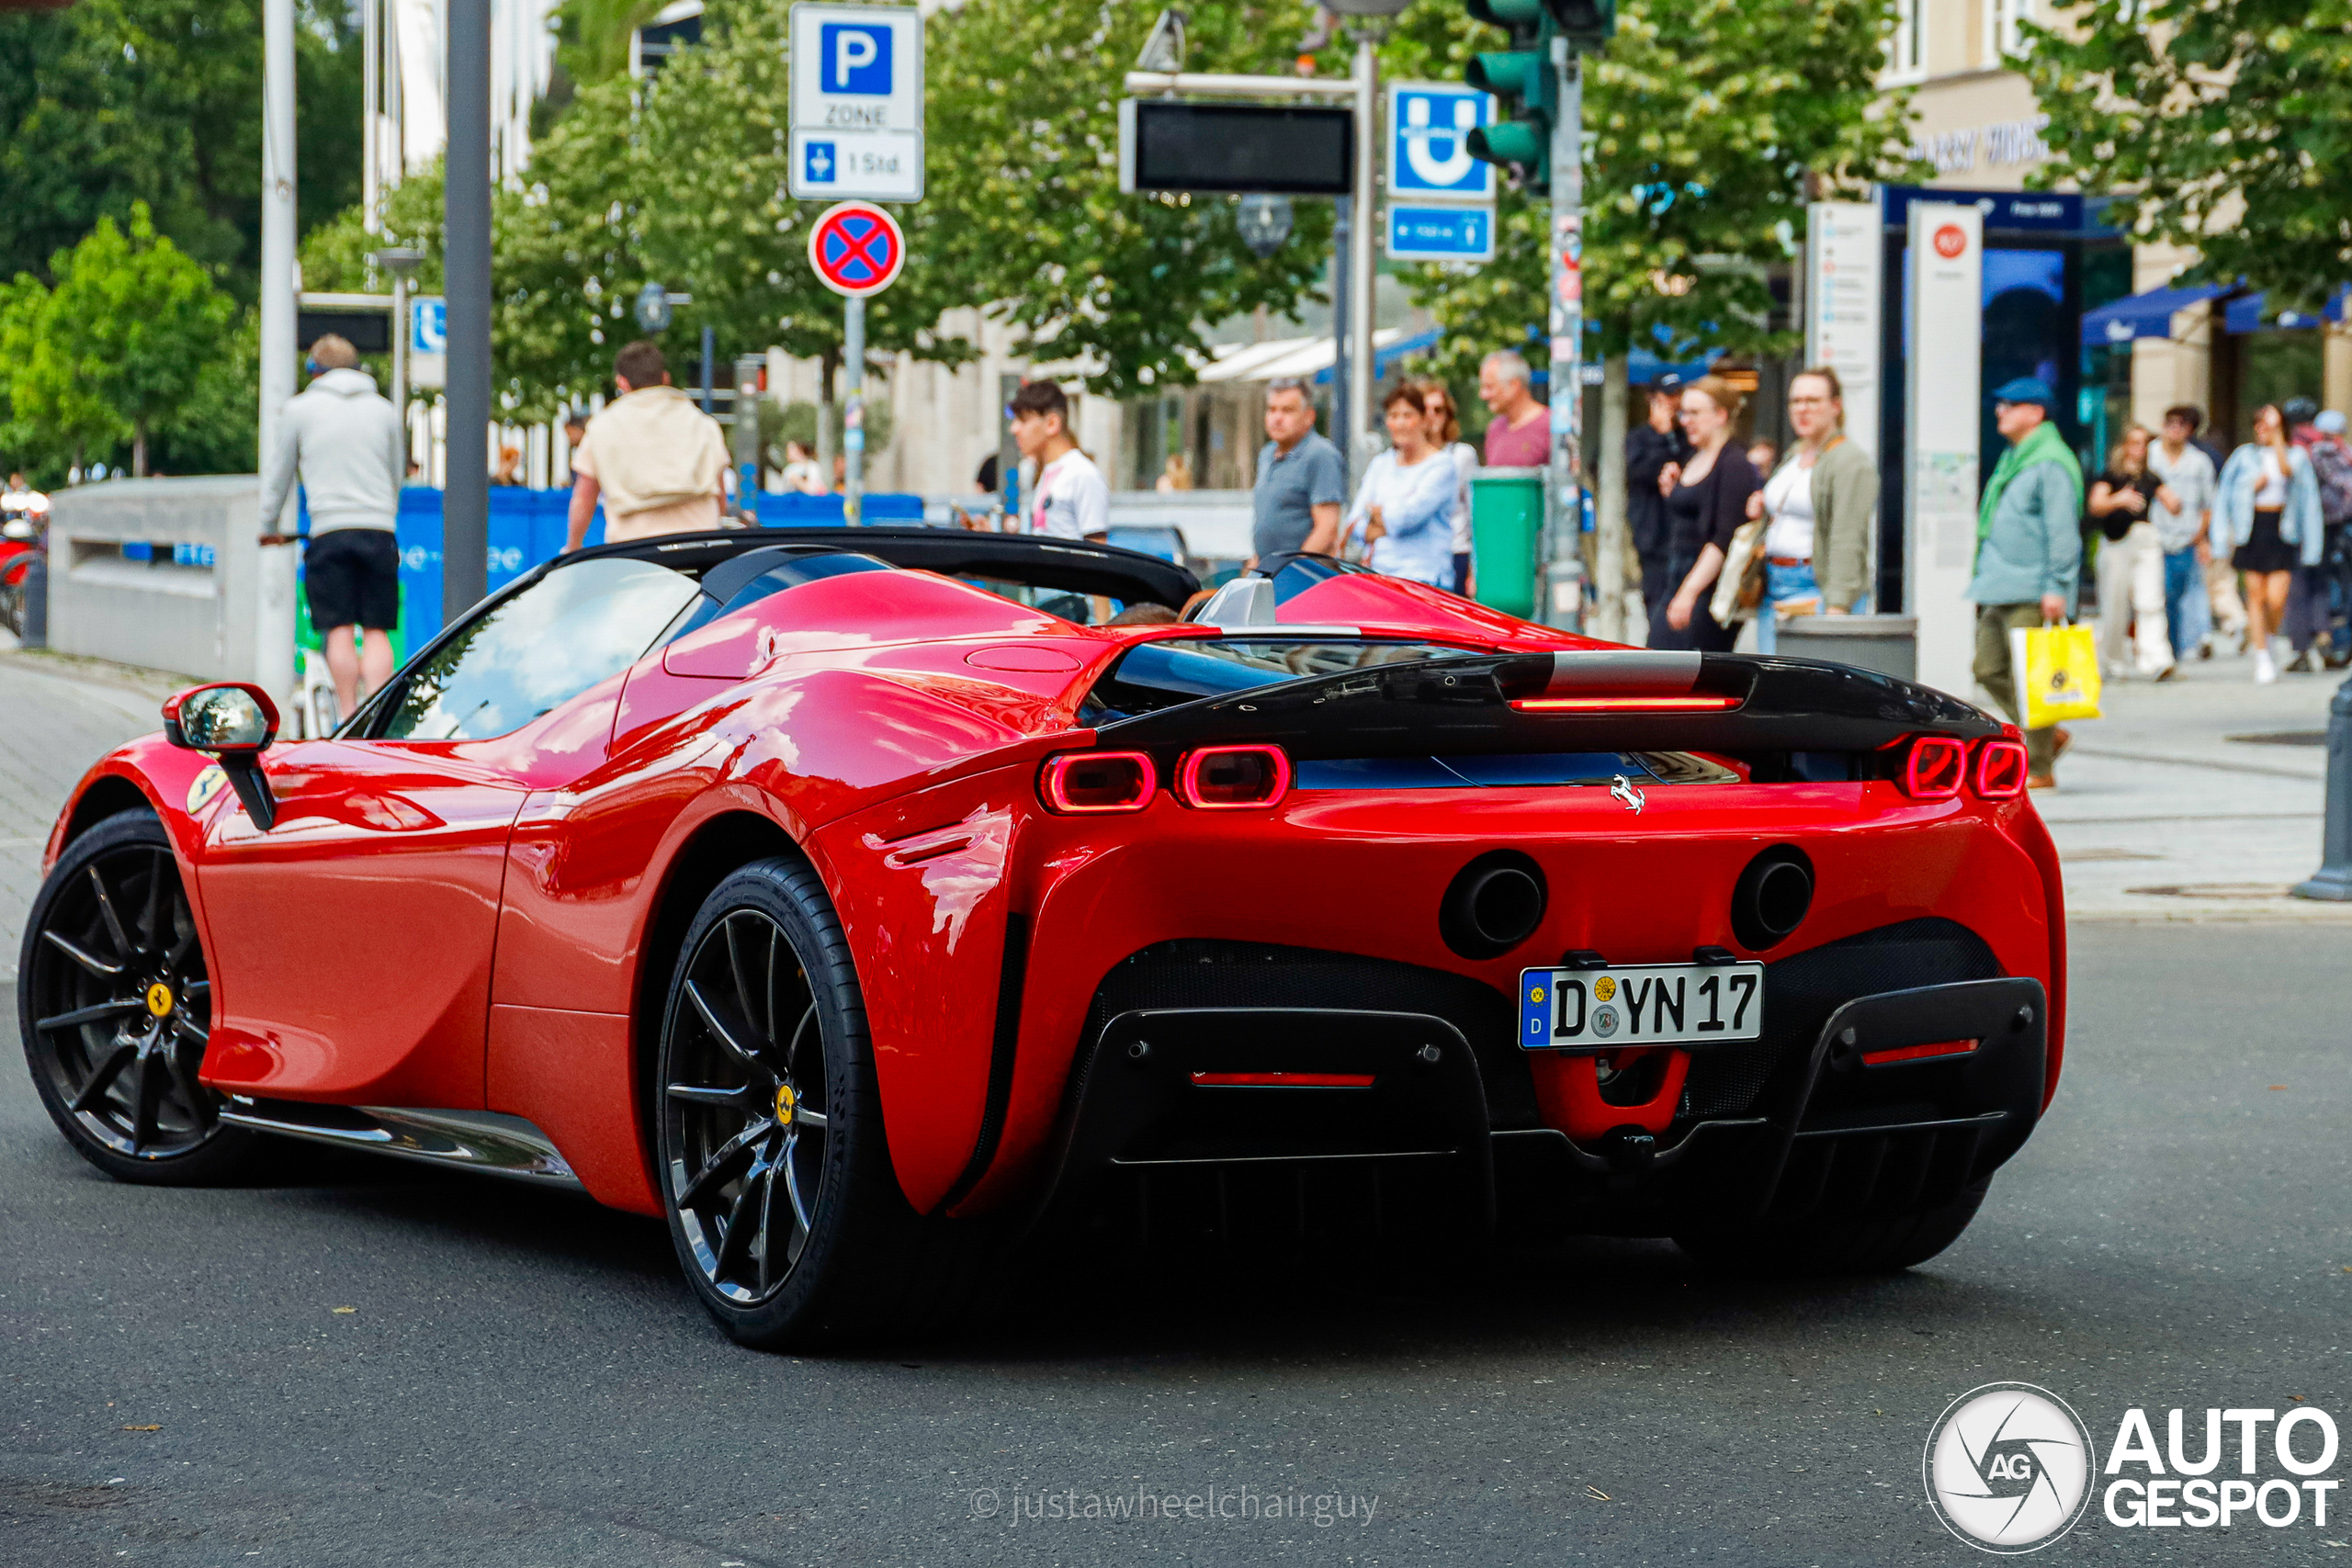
[[346, 441]]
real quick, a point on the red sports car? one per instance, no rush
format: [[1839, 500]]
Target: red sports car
[[844, 895]]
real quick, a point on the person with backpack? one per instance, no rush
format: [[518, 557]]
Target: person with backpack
[[2315, 597]]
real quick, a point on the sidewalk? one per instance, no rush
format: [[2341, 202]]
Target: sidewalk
[[59, 715], [2172, 807]]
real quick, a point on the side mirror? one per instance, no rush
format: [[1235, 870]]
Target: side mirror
[[234, 722]]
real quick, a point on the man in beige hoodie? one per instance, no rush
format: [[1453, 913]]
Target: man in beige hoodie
[[655, 459]]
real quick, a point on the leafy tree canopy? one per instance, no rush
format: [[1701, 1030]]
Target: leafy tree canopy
[[107, 102], [1709, 125], [2222, 124]]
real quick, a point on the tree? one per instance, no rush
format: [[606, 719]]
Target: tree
[[110, 102], [2225, 125], [1710, 124], [129, 327], [594, 36], [53, 418], [1025, 214]]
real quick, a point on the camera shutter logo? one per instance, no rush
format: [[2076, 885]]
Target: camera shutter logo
[[2008, 1467]]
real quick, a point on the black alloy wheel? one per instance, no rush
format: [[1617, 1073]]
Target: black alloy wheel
[[775, 1167], [743, 1102], [115, 1004]]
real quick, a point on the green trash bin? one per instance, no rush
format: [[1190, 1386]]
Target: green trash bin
[[1506, 527]]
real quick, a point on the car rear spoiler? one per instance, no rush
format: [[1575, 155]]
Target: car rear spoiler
[[1596, 700]]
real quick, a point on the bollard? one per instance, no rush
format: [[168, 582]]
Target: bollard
[[2333, 880], [36, 591]]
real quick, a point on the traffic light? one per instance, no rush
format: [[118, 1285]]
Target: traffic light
[[1523, 84], [1586, 24]]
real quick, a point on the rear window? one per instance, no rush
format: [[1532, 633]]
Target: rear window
[[1163, 674]]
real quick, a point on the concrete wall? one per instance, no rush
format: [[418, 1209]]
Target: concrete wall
[[180, 615]]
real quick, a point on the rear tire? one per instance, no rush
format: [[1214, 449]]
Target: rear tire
[[775, 1170], [115, 1004], [1881, 1246]]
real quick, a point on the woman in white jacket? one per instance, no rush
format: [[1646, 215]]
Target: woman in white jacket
[[1402, 522]]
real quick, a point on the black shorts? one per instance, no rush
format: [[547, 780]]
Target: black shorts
[[352, 577]]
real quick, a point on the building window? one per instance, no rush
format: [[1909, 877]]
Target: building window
[[2002, 37], [1906, 47]]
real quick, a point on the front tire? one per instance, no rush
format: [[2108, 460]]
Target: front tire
[[775, 1173], [1881, 1246], [115, 1004]]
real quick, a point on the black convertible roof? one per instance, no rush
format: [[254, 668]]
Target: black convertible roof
[[1128, 576]]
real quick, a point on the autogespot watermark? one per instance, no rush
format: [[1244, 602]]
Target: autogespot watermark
[[1139, 1503], [2010, 1468]]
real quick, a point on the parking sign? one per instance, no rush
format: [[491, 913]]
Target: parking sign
[[857, 103], [1428, 143]]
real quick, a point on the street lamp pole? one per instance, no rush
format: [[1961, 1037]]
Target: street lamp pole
[[465, 507], [273, 665], [1564, 571]]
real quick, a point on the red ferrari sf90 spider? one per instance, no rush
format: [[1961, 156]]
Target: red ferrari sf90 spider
[[841, 894]]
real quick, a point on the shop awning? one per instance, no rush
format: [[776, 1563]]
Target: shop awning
[[2245, 314], [2144, 315]]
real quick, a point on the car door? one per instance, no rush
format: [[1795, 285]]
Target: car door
[[354, 938]]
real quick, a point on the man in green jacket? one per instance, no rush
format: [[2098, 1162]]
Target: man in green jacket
[[2029, 552]]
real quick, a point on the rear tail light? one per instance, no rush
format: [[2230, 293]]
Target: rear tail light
[[2000, 770], [1233, 778], [1935, 768], [1626, 705], [1079, 782]]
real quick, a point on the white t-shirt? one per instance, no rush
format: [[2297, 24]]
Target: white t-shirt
[[1072, 500], [2271, 494], [1788, 502]]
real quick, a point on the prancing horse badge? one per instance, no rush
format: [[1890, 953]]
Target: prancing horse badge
[[1621, 788]]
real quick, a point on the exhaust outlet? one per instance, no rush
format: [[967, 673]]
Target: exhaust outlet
[[1494, 903], [1772, 898]]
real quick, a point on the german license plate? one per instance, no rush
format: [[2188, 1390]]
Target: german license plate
[[1648, 1004]]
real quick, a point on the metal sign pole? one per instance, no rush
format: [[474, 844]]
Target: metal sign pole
[[854, 411], [465, 507], [1362, 257], [1563, 516], [1343, 378], [273, 665]]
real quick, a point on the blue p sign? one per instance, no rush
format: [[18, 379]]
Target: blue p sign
[[856, 58]]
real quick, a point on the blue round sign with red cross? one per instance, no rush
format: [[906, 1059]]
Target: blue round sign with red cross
[[856, 248]]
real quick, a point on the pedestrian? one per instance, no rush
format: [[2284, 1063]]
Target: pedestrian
[[2335, 550], [1520, 435], [1445, 434], [656, 460], [2183, 515], [510, 467], [2131, 561], [2268, 519], [1302, 480], [1175, 475], [2029, 554], [1402, 522], [2311, 596], [800, 473], [1816, 552], [1763, 457], [1071, 499], [1706, 501], [344, 439], [20, 501], [1650, 448]]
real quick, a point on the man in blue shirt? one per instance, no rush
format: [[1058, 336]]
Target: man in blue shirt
[[2029, 552], [1302, 479]]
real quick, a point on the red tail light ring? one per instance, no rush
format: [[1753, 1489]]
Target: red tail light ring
[[1935, 769], [2001, 769], [1233, 778], [1081, 783]]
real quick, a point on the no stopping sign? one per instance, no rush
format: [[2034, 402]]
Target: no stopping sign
[[856, 248]]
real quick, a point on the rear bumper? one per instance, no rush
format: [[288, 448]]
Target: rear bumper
[[1857, 1125]]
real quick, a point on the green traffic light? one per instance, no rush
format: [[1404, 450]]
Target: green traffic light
[[1525, 142], [1506, 73]]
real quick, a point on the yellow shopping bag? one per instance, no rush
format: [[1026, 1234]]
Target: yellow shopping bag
[[2057, 673]]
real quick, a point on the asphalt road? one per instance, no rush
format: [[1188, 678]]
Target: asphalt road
[[524, 1380]]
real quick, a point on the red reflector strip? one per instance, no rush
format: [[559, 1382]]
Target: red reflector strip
[[1625, 705], [1283, 1080], [1919, 1053]]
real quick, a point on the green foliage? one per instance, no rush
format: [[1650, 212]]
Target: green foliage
[[2222, 124], [1023, 206], [798, 421], [592, 41], [111, 102], [1709, 125], [119, 345]]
